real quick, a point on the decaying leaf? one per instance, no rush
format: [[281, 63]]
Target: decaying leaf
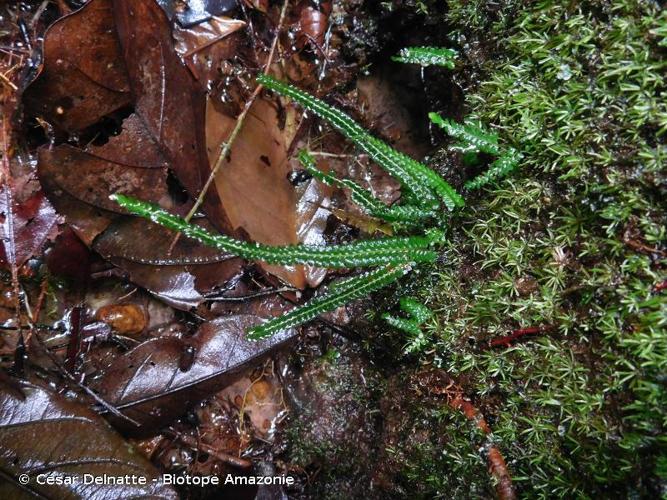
[[203, 47], [169, 101], [32, 222], [158, 380], [181, 276], [84, 76], [44, 433], [195, 11], [90, 179]]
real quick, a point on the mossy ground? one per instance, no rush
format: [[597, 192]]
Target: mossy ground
[[574, 240]]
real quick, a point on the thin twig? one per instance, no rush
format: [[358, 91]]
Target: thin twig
[[251, 296], [8, 82]]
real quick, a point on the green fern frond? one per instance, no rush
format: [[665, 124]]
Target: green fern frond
[[367, 253], [498, 169], [427, 56], [352, 289], [473, 138], [424, 184], [403, 214], [409, 326], [419, 312]]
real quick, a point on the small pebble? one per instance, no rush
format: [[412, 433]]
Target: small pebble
[[125, 319]]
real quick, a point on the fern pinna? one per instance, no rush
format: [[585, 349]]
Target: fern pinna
[[428, 195]]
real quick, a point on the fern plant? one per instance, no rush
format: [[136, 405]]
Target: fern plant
[[424, 195], [351, 289], [426, 188], [367, 253]]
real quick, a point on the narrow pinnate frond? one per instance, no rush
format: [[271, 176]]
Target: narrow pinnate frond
[[424, 185], [352, 289], [417, 310], [418, 313], [473, 138], [402, 214], [409, 326], [427, 56], [498, 169], [367, 253]]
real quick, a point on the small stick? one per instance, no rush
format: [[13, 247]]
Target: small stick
[[507, 340], [497, 465], [8, 82]]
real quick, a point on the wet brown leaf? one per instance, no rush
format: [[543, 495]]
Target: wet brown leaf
[[91, 179], [181, 277], [204, 46], [33, 221], [169, 101], [158, 380], [313, 24], [84, 76], [43, 433], [196, 11]]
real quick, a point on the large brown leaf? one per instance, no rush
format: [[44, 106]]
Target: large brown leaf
[[158, 380], [44, 433], [254, 186], [167, 97]]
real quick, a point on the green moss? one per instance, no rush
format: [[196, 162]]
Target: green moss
[[580, 88]]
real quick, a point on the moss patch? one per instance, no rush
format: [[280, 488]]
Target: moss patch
[[575, 241]]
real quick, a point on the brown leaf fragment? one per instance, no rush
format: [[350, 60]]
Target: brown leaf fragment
[[151, 385], [313, 25], [85, 220], [133, 147], [204, 46], [44, 433], [84, 76]]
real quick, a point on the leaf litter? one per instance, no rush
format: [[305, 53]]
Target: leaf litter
[[135, 103]]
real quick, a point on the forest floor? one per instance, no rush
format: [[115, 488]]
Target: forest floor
[[543, 370]]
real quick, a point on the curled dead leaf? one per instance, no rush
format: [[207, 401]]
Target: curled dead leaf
[[153, 385]]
